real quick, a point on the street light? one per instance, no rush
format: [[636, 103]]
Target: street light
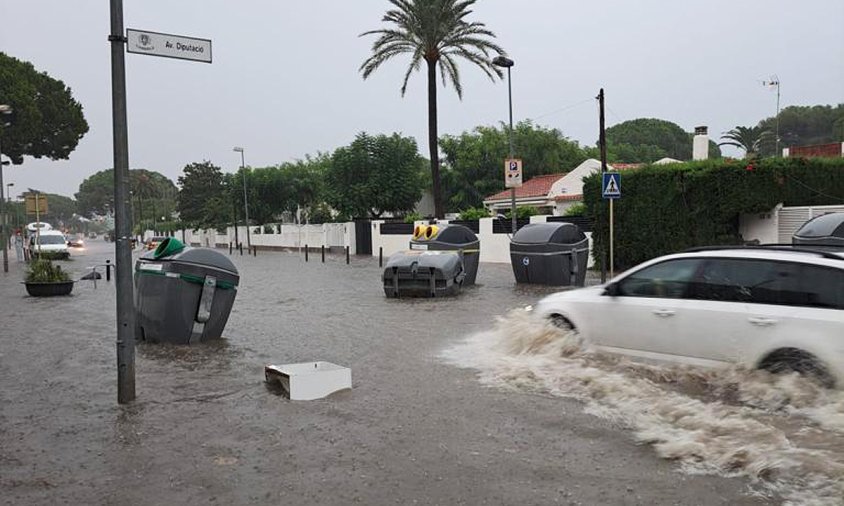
[[238, 149], [504, 62], [5, 112]]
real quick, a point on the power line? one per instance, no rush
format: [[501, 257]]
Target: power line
[[555, 111], [804, 185]]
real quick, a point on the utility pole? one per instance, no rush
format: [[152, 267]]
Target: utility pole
[[602, 140], [5, 110], [122, 219]]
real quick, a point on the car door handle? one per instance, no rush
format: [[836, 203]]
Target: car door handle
[[762, 322], [663, 312]]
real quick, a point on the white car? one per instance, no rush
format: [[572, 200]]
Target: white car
[[50, 242], [776, 308]]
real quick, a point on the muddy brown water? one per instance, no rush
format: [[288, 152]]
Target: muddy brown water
[[415, 429]]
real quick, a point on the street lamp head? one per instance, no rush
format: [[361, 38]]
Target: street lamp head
[[502, 61], [237, 149]]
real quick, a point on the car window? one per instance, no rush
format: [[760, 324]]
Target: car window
[[669, 279], [752, 281], [821, 287]]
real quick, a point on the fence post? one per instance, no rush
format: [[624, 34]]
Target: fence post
[[108, 270], [322, 250]]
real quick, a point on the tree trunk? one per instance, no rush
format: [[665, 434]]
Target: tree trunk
[[433, 148]]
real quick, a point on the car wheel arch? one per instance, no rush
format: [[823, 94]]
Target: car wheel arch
[[796, 359]]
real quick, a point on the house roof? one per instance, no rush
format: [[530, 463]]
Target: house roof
[[538, 186]]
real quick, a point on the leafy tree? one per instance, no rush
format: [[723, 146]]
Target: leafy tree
[[749, 139], [203, 200], [646, 140], [805, 126], [47, 120], [475, 160], [149, 191], [436, 32], [374, 175]]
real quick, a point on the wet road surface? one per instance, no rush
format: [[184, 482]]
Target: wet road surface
[[206, 429]]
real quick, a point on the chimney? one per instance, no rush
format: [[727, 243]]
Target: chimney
[[700, 144]]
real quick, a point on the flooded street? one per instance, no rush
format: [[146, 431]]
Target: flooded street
[[422, 425]]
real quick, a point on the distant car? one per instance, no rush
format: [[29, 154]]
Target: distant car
[[155, 241], [774, 308], [50, 242], [75, 242]]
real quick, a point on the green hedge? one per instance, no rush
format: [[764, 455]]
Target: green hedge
[[669, 208]]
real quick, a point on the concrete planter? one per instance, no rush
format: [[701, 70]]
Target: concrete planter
[[49, 289]]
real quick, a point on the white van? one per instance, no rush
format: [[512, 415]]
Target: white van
[[52, 242]]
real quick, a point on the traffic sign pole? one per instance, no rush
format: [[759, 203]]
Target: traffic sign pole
[[612, 240]]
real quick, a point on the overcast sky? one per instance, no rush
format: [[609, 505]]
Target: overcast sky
[[285, 83]]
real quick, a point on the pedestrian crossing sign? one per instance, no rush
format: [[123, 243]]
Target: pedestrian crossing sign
[[611, 186]]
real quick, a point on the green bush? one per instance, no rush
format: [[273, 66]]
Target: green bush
[[665, 209], [50, 255], [523, 212], [577, 209], [474, 213], [43, 271], [412, 217]]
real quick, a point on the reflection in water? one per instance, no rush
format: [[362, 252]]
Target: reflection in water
[[783, 431]]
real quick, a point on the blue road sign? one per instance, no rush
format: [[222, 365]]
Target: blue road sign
[[611, 185]]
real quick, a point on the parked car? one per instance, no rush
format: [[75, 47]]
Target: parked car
[[155, 241], [50, 242], [775, 308]]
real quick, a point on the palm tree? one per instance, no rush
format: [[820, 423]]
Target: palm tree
[[434, 31], [751, 139]]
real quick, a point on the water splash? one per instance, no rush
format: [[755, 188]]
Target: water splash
[[784, 432]]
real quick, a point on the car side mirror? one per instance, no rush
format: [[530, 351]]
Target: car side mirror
[[612, 290]]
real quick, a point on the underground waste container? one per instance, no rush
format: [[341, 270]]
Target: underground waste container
[[183, 295], [450, 238], [826, 230], [550, 254]]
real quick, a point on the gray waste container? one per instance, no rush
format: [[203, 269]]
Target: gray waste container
[[550, 254], [826, 231], [183, 296], [423, 274], [451, 238]]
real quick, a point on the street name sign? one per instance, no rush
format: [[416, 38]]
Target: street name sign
[[611, 185], [512, 173], [168, 45]]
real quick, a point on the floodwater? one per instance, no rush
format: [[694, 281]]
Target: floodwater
[[560, 426], [783, 432]]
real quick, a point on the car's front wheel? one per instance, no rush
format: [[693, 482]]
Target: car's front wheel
[[561, 322], [787, 360]]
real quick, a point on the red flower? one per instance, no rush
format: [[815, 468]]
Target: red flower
[[749, 167]]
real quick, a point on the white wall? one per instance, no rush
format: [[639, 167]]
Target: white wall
[[780, 224], [338, 235]]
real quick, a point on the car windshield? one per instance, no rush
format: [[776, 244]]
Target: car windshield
[[52, 239]]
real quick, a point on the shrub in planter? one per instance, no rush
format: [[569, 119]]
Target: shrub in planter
[[45, 279]]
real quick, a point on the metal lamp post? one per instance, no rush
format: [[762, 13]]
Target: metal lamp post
[[504, 62], [7, 206], [238, 149], [5, 110]]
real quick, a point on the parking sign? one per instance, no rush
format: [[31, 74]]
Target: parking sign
[[512, 173]]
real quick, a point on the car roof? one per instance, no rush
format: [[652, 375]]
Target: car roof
[[779, 253]]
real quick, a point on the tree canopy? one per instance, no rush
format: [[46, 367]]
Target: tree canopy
[[373, 175], [150, 191], [749, 139], [646, 140], [46, 120], [806, 125], [202, 201], [436, 32], [475, 160]]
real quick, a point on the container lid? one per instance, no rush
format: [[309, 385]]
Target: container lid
[[455, 234], [195, 256], [826, 225], [544, 233]]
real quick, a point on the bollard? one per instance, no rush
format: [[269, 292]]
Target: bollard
[[347, 255], [230, 247], [254, 250], [240, 248], [380, 256], [322, 250], [108, 270], [306, 252]]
